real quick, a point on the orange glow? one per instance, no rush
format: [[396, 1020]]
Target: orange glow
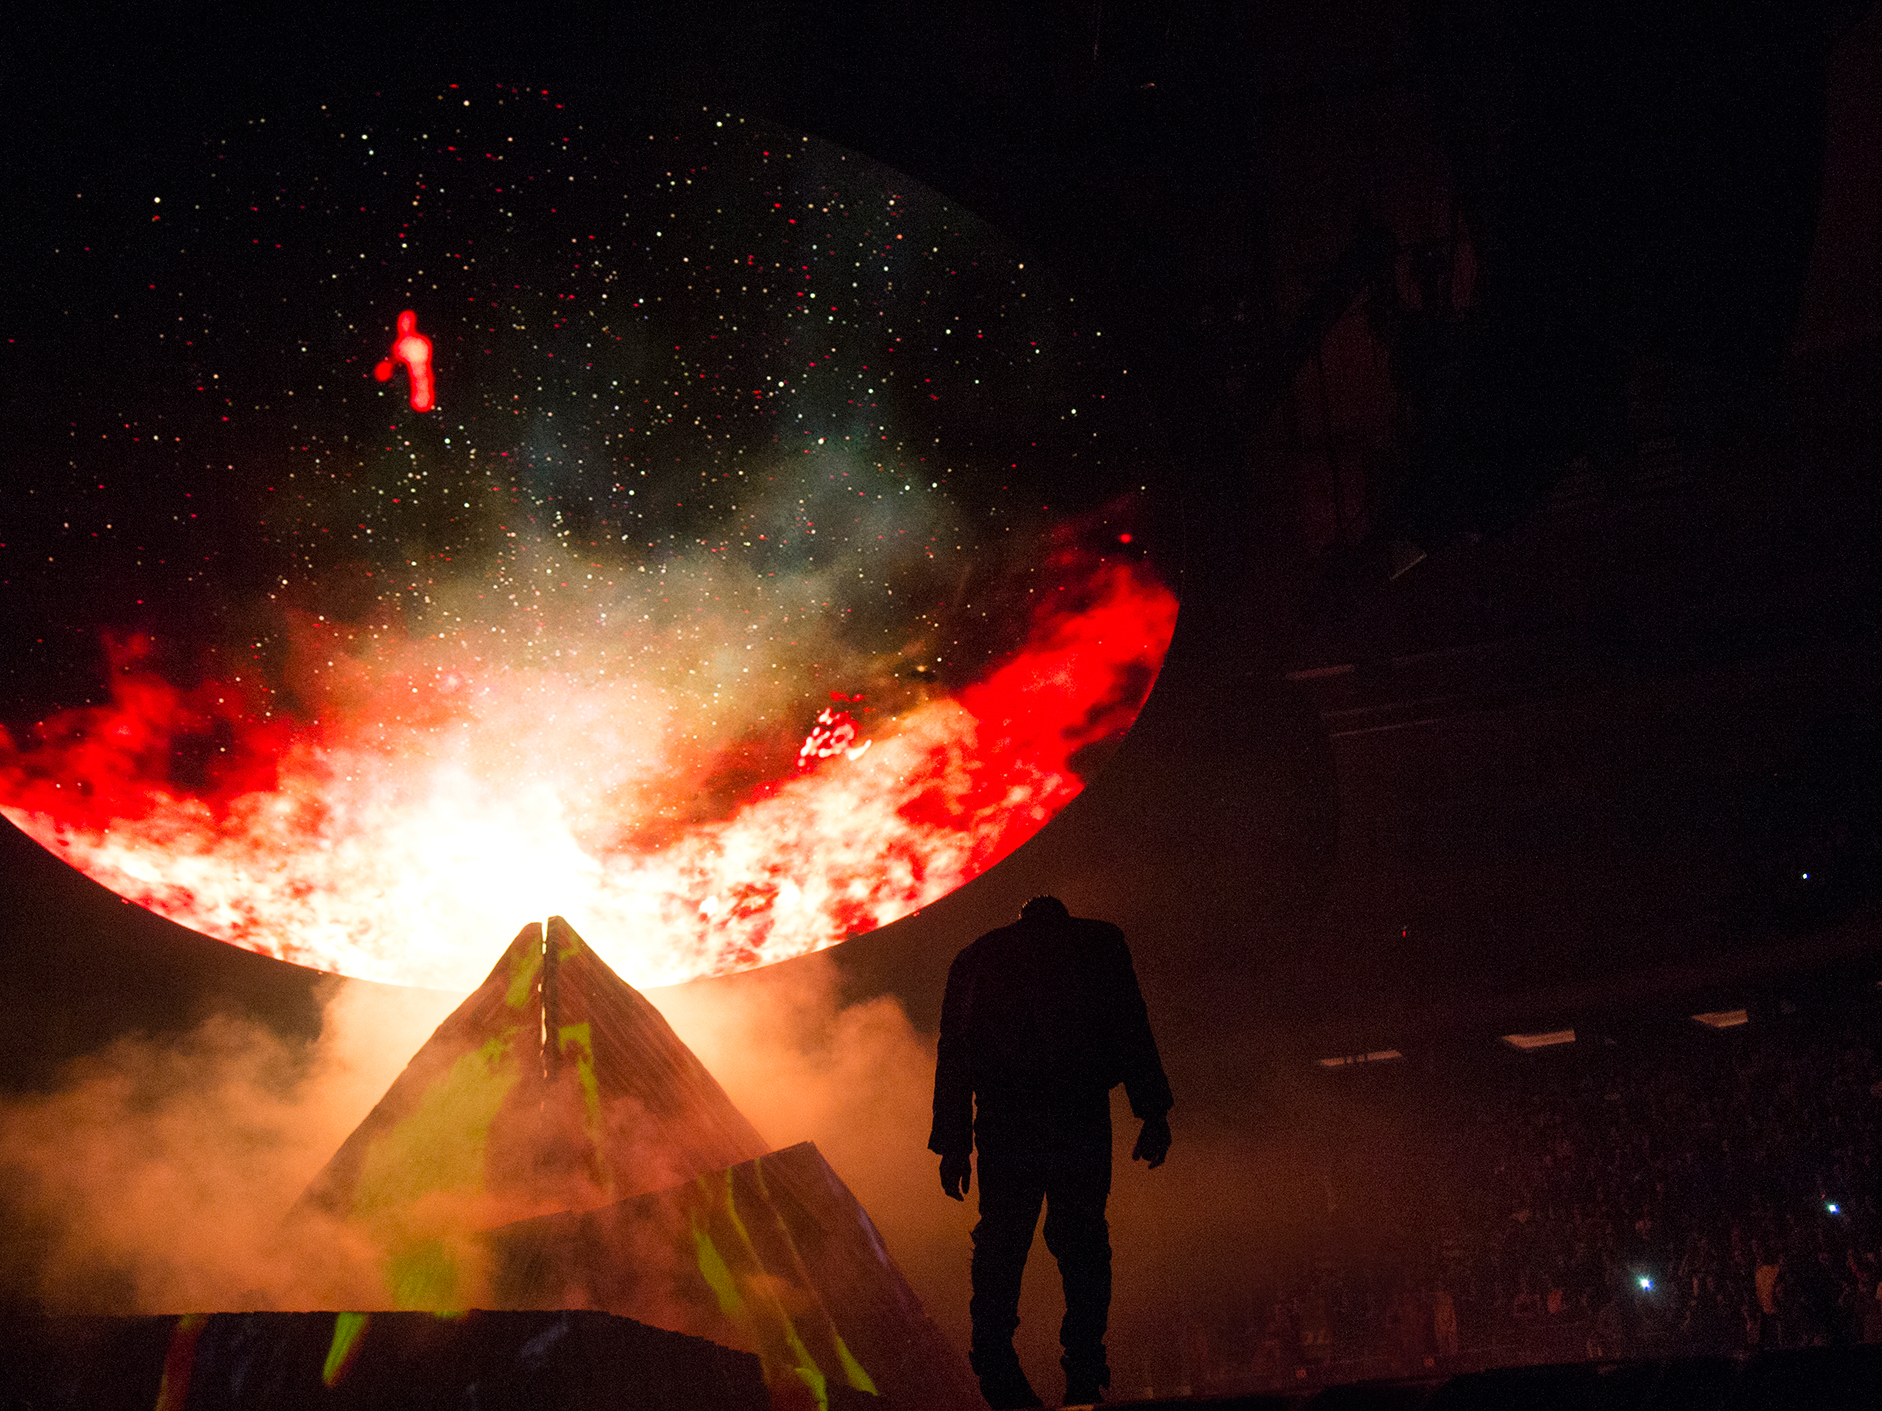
[[412, 349], [435, 794]]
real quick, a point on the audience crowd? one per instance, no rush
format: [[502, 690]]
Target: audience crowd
[[1705, 1192]]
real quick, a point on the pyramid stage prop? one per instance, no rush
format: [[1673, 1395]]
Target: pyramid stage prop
[[555, 1086], [554, 1145], [773, 1254]]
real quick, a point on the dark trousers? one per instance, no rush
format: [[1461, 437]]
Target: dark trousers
[[1058, 1156]]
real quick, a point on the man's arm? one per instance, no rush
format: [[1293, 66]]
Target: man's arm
[[1141, 1066], [952, 1135]]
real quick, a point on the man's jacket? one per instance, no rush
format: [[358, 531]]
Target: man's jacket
[[1043, 1013]]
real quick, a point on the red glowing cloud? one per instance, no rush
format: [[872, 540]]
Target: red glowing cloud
[[413, 350], [387, 836]]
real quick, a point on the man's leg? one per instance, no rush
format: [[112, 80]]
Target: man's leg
[[1010, 1197], [1080, 1239]]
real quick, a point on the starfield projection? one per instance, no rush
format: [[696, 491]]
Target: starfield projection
[[499, 505]]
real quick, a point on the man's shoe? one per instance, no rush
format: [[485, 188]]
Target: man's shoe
[[1003, 1382], [1015, 1394], [1084, 1385], [1010, 1392]]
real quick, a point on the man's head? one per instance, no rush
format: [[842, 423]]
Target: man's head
[[1043, 909]]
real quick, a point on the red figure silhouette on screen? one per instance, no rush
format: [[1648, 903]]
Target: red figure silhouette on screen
[[414, 350]]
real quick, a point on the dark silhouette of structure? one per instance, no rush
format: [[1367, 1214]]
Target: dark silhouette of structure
[[420, 1361], [1041, 1020]]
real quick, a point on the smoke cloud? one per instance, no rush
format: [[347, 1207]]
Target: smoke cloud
[[156, 1178]]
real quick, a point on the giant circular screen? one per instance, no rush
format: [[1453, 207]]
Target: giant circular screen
[[436, 511]]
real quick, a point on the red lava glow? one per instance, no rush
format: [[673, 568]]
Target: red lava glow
[[394, 838], [412, 349]]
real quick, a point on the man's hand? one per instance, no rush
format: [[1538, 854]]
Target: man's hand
[[1153, 1143], [956, 1171]]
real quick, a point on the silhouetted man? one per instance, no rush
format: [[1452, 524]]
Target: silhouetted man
[[1042, 1019]]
